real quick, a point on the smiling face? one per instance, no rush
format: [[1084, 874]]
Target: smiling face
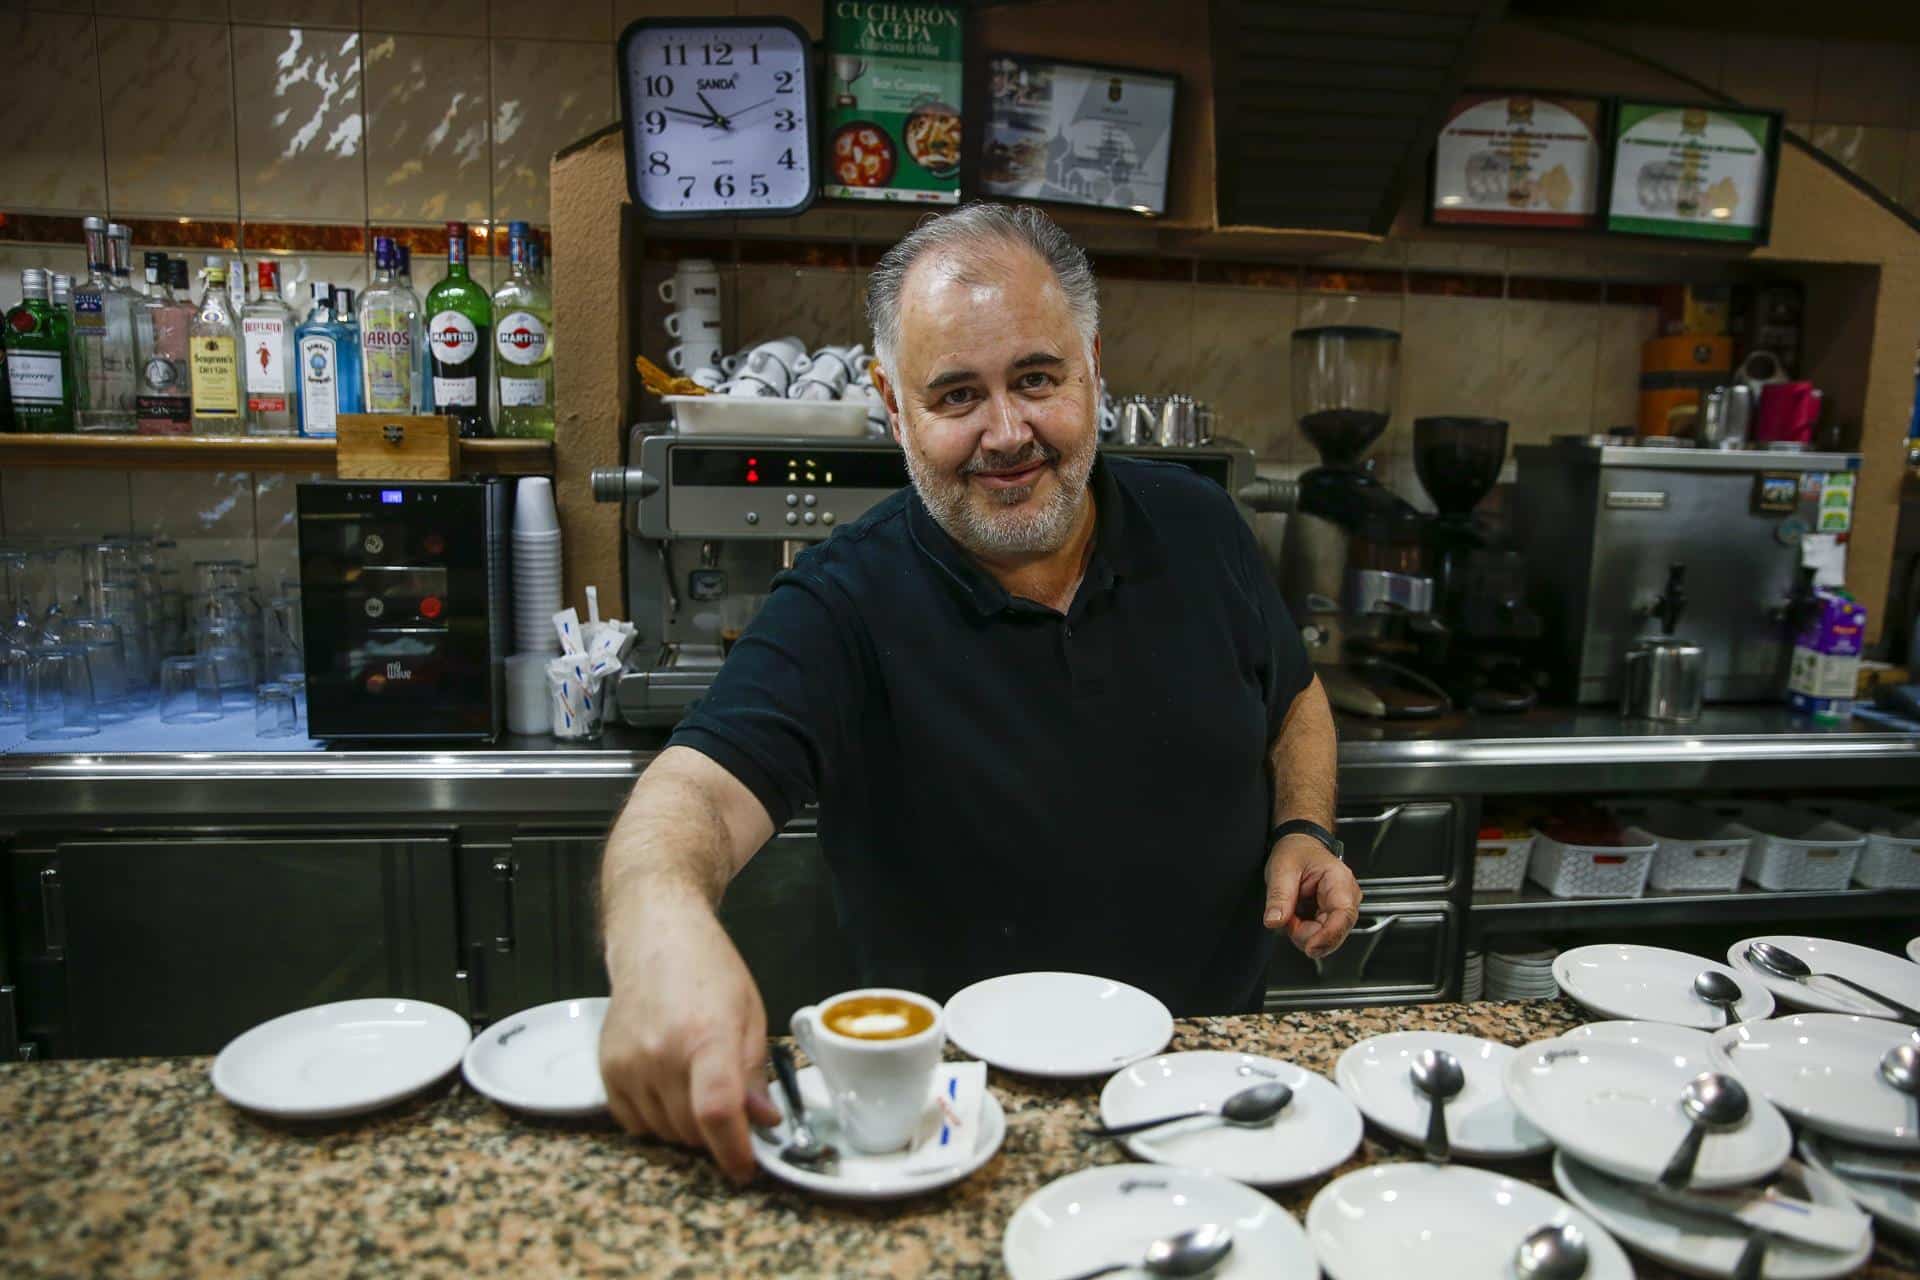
[[993, 395]]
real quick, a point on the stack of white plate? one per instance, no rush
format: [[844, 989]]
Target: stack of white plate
[[537, 589], [1521, 974], [1473, 978]]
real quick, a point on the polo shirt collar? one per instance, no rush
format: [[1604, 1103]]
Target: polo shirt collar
[[1123, 544]]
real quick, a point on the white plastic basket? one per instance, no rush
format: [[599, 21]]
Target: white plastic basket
[[1590, 871], [1693, 849], [1500, 866], [1797, 850], [1891, 859]]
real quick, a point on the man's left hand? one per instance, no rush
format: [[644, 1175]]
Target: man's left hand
[[1311, 894]]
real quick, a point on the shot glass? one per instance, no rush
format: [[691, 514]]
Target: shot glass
[[275, 713], [60, 695], [189, 690]]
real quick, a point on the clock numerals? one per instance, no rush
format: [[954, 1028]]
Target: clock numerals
[[786, 160], [659, 86], [658, 163], [783, 80], [718, 53], [654, 122], [784, 121]]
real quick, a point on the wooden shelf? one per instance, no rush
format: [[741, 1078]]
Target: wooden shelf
[[243, 453]]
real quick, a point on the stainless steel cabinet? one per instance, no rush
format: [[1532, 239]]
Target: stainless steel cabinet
[[126, 945], [1397, 846], [1393, 956]]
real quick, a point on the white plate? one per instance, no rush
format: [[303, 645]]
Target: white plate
[[1658, 1035], [1480, 1120], [340, 1059], [1062, 1025], [1895, 1206], [1113, 1212], [1616, 1106], [1913, 950], [1889, 973], [1701, 1246], [1823, 1069], [865, 1177], [1653, 984], [544, 1060], [1441, 1222], [1318, 1130]]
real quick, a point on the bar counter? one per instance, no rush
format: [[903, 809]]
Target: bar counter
[[134, 1167]]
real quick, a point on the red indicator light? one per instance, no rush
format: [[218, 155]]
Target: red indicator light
[[430, 607], [753, 477], [753, 462]]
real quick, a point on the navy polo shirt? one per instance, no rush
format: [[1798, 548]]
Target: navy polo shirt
[[1003, 788]]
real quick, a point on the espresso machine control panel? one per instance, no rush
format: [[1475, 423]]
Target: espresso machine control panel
[[772, 488]]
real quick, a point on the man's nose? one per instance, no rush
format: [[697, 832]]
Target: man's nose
[[1007, 427]]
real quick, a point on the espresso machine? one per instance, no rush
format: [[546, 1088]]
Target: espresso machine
[[712, 520]]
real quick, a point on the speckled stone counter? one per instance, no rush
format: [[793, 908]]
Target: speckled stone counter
[[136, 1168]]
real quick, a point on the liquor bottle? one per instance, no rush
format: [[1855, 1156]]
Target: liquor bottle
[[460, 342], [416, 325], [237, 295], [266, 328], [215, 360], [346, 328], [537, 260], [40, 374], [161, 325], [386, 337], [523, 345], [63, 301], [103, 340], [329, 366], [120, 255]]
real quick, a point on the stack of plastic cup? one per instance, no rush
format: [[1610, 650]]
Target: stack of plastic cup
[[536, 567]]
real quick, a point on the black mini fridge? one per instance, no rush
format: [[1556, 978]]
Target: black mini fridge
[[404, 596]]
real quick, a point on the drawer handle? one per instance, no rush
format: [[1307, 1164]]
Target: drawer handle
[[1381, 818], [503, 878], [1357, 951]]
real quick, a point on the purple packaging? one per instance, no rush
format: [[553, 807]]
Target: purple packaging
[[1826, 657]]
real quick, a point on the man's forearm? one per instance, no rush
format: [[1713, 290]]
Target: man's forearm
[[1305, 760]]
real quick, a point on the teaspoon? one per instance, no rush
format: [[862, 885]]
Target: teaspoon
[[1720, 991], [1713, 1103], [1552, 1253], [1254, 1105], [1437, 1074], [1784, 964], [1900, 1067], [1189, 1253]]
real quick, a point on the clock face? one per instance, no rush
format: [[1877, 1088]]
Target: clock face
[[718, 117]]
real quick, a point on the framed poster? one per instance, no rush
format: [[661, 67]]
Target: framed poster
[[1695, 172], [893, 118], [1519, 158], [1074, 133]]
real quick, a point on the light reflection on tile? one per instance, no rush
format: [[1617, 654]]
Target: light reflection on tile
[[1451, 362], [209, 513], [300, 136], [1241, 364], [169, 117], [546, 94], [427, 151], [1146, 337], [55, 146]]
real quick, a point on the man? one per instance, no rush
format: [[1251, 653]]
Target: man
[[1051, 707]]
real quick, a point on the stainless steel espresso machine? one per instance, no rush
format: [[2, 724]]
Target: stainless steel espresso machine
[[711, 520]]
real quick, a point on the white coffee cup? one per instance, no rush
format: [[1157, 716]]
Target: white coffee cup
[[695, 326], [770, 366], [748, 387], [698, 354], [811, 388], [695, 284], [880, 1087], [830, 367], [790, 351]]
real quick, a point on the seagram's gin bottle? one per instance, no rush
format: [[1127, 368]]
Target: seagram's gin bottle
[[386, 336], [215, 361]]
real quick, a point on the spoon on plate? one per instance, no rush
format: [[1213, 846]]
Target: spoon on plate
[[1720, 991], [1438, 1076], [1782, 963], [803, 1150], [1193, 1252], [1713, 1103], [1900, 1067], [1254, 1105], [1552, 1253]]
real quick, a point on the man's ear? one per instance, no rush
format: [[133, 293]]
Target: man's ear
[[885, 386]]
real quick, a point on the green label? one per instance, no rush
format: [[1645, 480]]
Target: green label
[[893, 101]]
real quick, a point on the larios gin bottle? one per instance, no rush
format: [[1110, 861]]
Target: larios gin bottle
[[386, 337], [460, 342]]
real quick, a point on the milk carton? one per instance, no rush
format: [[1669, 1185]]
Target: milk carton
[[1826, 657]]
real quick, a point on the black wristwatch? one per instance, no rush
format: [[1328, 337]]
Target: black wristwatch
[[1303, 827]]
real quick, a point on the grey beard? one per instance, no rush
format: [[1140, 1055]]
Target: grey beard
[[1005, 532]]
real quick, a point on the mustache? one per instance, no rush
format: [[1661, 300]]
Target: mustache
[[990, 460]]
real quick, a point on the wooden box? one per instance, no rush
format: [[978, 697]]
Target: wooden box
[[397, 446]]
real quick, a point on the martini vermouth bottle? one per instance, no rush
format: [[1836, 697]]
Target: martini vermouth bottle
[[523, 345], [460, 342]]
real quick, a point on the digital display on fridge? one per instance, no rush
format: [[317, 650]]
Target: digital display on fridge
[[1077, 134]]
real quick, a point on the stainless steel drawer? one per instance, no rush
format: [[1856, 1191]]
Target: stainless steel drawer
[[1392, 956], [1403, 844]]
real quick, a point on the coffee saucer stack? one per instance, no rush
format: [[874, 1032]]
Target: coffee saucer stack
[[1473, 976], [1521, 973]]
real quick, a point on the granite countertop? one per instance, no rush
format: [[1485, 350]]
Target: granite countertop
[[134, 1167]]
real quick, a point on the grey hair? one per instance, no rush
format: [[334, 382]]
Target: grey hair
[[979, 225]]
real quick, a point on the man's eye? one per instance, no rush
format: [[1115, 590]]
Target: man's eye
[[958, 396], [1035, 380]]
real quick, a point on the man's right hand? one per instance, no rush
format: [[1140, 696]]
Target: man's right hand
[[685, 1040]]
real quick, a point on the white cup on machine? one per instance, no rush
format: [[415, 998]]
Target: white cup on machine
[[695, 286], [693, 326], [697, 354], [747, 387], [851, 361], [709, 377], [772, 364]]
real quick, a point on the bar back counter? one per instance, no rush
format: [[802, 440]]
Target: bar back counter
[[160, 904]]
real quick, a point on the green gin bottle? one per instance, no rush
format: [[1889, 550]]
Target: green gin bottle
[[40, 377]]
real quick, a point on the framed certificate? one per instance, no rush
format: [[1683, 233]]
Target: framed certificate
[[1074, 133], [1519, 158], [1693, 172]]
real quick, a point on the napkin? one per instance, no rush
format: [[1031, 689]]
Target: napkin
[[948, 1134]]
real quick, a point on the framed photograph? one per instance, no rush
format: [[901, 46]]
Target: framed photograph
[[1693, 172], [1075, 133], [1519, 158]]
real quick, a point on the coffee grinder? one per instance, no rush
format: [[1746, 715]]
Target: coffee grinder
[[1351, 564], [1479, 585]]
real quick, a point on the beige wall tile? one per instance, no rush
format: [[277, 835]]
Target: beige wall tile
[[55, 502], [209, 513], [1548, 353], [625, 11], [57, 6], [1452, 255], [817, 307], [300, 124], [1864, 82], [428, 156], [1874, 154], [276, 528], [553, 20], [1772, 71], [546, 94], [1451, 361], [1616, 382], [428, 17], [1384, 310], [1147, 337], [169, 118], [300, 13], [15, 257], [56, 158], [1698, 55], [1241, 364], [298, 272], [195, 10]]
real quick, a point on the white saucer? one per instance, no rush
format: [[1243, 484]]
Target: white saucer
[[865, 1177], [1481, 1122], [1441, 1222], [1890, 1204], [1823, 1069], [1616, 1106], [1913, 950], [340, 1059], [1653, 984], [1663, 1036], [1113, 1212], [1318, 1130], [544, 1060], [1866, 966], [1061, 1025], [1697, 1246]]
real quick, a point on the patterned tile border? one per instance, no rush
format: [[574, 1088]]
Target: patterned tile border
[[262, 237]]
